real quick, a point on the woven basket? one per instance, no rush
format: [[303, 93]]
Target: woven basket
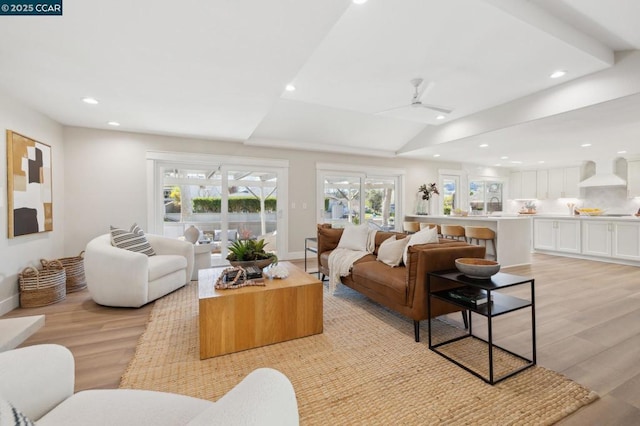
[[42, 287], [74, 267]]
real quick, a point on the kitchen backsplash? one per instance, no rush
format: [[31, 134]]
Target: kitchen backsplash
[[611, 199]]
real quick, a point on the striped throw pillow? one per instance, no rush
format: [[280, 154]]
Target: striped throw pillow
[[133, 240], [10, 415]]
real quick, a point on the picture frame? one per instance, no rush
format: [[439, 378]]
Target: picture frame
[[30, 186]]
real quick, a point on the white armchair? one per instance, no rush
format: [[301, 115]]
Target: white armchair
[[119, 277], [38, 381]]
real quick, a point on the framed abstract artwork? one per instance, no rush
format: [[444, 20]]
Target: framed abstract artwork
[[29, 181]]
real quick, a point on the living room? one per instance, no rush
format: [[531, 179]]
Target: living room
[[101, 174]]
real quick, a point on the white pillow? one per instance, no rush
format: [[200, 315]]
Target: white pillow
[[427, 235], [391, 251], [354, 237]]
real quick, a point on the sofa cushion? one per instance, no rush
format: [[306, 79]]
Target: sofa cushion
[[382, 279], [354, 237], [426, 236], [391, 251], [130, 240], [165, 264]]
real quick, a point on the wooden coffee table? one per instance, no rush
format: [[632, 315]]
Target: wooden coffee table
[[250, 317]]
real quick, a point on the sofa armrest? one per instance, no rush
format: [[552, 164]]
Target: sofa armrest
[[164, 245], [430, 259], [264, 397], [115, 276], [35, 379]]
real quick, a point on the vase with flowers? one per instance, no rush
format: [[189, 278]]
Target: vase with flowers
[[426, 192]]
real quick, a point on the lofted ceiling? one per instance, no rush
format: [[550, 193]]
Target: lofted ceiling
[[218, 70]]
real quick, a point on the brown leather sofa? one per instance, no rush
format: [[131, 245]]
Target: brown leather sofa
[[402, 289]]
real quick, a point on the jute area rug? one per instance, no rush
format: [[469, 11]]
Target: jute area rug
[[364, 369]]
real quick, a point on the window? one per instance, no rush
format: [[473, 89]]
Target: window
[[351, 196], [485, 197]]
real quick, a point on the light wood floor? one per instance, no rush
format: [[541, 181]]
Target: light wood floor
[[588, 320]]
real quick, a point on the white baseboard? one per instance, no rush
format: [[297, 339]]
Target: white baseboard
[[9, 304]]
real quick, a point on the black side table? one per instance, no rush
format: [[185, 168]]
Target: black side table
[[313, 248], [500, 304]]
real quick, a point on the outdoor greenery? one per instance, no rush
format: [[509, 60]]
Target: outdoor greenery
[[236, 204]]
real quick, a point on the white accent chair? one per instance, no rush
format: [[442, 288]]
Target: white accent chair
[[119, 277], [38, 381]]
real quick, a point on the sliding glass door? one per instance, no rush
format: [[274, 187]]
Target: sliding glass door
[[226, 202]]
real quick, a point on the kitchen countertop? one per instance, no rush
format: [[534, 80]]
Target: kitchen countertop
[[427, 218], [584, 217]]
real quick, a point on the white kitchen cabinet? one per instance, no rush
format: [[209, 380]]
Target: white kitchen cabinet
[[633, 178], [523, 185], [542, 184], [620, 240], [556, 235], [626, 240], [515, 185], [596, 238], [529, 184], [563, 183]]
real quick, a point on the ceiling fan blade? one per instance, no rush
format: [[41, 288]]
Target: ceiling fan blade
[[424, 89], [434, 108], [391, 109]]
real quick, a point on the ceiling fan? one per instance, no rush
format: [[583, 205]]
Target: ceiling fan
[[416, 101]]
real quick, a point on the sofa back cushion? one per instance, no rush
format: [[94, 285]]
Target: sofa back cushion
[[426, 236], [391, 250], [354, 237]]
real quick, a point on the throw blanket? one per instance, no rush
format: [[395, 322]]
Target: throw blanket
[[341, 260]]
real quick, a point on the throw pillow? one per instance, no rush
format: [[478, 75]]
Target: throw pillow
[[135, 229], [391, 250], [130, 240], [427, 235], [10, 415], [354, 237]]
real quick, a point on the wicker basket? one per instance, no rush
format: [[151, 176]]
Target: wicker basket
[[42, 287], [74, 267]]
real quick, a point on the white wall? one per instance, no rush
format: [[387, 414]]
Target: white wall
[[20, 252], [105, 173]]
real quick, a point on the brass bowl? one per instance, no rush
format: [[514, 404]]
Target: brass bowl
[[477, 268]]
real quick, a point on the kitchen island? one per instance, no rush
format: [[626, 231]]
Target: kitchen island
[[513, 234]]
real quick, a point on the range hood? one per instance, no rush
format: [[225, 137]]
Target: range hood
[[605, 175]]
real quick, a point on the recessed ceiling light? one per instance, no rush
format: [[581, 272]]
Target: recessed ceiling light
[[558, 74], [622, 152], [484, 145], [541, 162], [290, 88], [516, 162], [585, 145], [498, 165], [504, 157], [359, 1], [90, 101], [440, 117], [113, 123], [436, 155]]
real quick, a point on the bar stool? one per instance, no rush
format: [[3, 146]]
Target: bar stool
[[453, 231], [410, 227], [480, 233], [430, 225]]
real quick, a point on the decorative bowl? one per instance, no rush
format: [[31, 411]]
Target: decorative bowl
[[477, 268]]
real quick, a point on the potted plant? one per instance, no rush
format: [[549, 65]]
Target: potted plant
[[250, 252]]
